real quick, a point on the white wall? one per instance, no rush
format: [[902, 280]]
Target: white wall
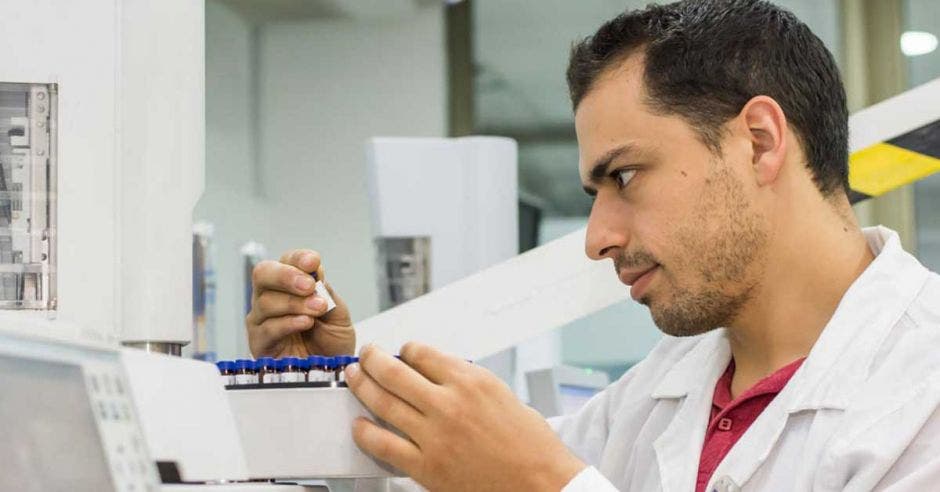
[[323, 87]]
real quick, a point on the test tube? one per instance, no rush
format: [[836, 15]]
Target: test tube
[[322, 291], [267, 372], [329, 369], [314, 373], [290, 370], [245, 372], [304, 365], [226, 371]]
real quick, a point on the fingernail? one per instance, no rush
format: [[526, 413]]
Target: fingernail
[[300, 321], [316, 303], [362, 350], [303, 282], [352, 370]]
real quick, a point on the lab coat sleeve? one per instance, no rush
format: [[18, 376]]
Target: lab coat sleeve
[[589, 480]]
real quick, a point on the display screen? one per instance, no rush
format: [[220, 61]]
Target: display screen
[[50, 437], [574, 397]]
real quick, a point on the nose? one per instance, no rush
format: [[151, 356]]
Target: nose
[[606, 230]]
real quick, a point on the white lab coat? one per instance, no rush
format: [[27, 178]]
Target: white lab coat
[[861, 413]]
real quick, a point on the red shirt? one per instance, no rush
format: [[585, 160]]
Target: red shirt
[[729, 419]]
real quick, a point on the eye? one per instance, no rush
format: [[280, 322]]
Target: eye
[[623, 177]]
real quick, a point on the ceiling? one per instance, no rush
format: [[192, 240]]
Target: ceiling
[[261, 11]]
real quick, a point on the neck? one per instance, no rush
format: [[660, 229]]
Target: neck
[[813, 258]]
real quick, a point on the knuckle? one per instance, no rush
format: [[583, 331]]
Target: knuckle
[[365, 355], [271, 327], [395, 413], [257, 273], [381, 447], [413, 351], [287, 255], [296, 304], [265, 302], [396, 372], [384, 402]]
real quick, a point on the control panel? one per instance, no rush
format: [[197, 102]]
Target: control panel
[[76, 427]]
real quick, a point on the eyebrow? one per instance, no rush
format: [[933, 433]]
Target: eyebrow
[[599, 169]]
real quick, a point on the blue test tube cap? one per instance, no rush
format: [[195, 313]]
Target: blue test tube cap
[[279, 364], [303, 363], [329, 362], [315, 361], [291, 361], [242, 364], [225, 365], [265, 362]]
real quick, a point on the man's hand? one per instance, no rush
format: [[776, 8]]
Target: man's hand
[[465, 429], [287, 318]]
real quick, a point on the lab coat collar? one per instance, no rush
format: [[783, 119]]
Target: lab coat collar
[[834, 370], [839, 360]]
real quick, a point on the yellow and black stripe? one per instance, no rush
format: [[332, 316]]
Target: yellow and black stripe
[[880, 168]]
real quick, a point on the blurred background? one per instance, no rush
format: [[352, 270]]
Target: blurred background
[[294, 88]]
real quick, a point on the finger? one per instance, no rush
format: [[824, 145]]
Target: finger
[[274, 329], [382, 403], [307, 260], [435, 365], [396, 377], [272, 304], [384, 445], [272, 275]]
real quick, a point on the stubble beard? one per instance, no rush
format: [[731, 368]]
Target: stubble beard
[[726, 263]]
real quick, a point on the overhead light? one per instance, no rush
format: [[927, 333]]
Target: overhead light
[[916, 43]]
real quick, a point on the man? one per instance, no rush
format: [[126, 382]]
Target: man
[[802, 353]]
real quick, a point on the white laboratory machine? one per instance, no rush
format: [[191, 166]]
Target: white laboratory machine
[[101, 162], [563, 389]]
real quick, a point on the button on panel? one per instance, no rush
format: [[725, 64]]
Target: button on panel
[[131, 466]]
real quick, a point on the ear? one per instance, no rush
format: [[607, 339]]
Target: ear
[[767, 132]]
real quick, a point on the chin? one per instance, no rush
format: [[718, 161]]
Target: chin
[[679, 326]]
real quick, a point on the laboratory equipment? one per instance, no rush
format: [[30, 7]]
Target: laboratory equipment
[[563, 390], [28, 156], [267, 371], [101, 145], [464, 219], [252, 254], [204, 292], [69, 420]]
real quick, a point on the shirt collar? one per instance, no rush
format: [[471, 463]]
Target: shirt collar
[[839, 360]]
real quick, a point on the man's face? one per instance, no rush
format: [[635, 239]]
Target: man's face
[[678, 220]]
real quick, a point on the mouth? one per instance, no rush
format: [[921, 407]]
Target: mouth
[[638, 280]]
